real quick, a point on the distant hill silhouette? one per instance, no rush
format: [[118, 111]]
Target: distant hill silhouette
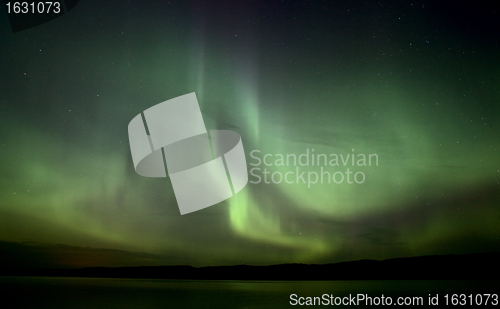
[[452, 267]]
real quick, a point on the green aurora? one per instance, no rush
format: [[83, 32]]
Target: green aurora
[[396, 80]]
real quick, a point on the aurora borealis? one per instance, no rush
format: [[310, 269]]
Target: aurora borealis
[[416, 83]]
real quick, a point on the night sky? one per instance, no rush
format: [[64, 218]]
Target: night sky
[[416, 83]]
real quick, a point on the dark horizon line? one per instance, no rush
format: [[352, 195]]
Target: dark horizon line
[[475, 266]]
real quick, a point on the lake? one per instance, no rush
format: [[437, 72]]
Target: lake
[[55, 292]]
